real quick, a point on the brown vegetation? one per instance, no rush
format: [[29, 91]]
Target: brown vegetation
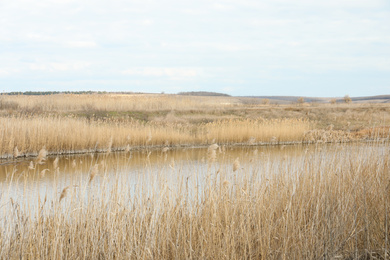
[[314, 207], [66, 123], [66, 134]]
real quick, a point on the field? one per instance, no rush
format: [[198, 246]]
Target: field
[[104, 122], [330, 201]]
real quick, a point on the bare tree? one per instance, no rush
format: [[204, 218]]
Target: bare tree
[[301, 100], [347, 99], [265, 101]]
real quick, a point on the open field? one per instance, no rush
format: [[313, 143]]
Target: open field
[[330, 203], [91, 122]]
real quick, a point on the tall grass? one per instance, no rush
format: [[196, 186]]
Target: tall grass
[[113, 102], [324, 205], [66, 134], [275, 130]]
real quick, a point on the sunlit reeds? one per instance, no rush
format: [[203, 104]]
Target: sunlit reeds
[[66, 134], [114, 102]]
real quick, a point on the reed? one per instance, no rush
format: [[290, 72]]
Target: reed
[[114, 102], [313, 207], [176, 108], [67, 134]]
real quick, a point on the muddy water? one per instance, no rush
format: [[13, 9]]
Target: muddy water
[[27, 183]]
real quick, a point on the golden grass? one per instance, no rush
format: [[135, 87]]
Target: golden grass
[[57, 134], [276, 130], [115, 102], [68, 123], [194, 110], [312, 207]]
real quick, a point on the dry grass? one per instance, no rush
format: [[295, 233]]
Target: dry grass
[[76, 123], [241, 131], [312, 207], [113, 102], [194, 110], [67, 134]]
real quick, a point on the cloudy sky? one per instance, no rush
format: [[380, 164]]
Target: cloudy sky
[[240, 47]]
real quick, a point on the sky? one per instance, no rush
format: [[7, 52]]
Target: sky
[[239, 47]]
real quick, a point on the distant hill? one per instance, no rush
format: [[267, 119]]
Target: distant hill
[[373, 99], [294, 99], [203, 93]]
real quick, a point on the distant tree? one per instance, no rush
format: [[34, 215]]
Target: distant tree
[[301, 100], [265, 101], [202, 93], [347, 99], [333, 101]]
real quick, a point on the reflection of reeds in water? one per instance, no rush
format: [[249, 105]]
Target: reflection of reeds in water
[[316, 207], [212, 153], [31, 166], [74, 164]]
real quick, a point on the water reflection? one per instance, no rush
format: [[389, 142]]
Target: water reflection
[[27, 182]]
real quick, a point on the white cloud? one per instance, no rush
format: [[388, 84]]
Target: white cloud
[[146, 22], [81, 44], [223, 7], [174, 73], [232, 47], [59, 66], [4, 72]]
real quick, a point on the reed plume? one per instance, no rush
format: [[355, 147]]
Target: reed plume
[[236, 164], [63, 193], [172, 164], [42, 174], [16, 152], [55, 163], [149, 137], [93, 173], [109, 146], [41, 156], [127, 149]]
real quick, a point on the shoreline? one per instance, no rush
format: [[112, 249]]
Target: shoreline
[[9, 158]]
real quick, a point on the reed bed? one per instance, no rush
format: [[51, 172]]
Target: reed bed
[[29, 134], [113, 102], [331, 203], [274, 130]]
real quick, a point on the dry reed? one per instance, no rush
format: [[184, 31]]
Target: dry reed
[[64, 135], [94, 171], [116, 102], [322, 205]]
